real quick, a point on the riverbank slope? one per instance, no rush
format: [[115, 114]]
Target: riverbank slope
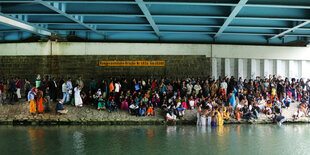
[[18, 114]]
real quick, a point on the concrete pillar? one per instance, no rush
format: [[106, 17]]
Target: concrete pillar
[[220, 69], [266, 68], [299, 73], [214, 68], [303, 69], [240, 68], [246, 69], [279, 66], [227, 67], [290, 69], [253, 69]]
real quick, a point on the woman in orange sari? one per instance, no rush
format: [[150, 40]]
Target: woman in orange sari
[[40, 102]]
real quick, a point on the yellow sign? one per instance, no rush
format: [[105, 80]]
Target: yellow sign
[[132, 63]]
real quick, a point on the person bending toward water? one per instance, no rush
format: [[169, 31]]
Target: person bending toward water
[[278, 119]]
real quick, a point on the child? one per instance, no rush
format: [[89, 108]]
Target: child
[[101, 103], [238, 114], [214, 119], [181, 111]]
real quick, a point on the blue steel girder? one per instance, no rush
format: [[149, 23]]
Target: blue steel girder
[[291, 29], [20, 22], [168, 16], [169, 3], [232, 15], [60, 8], [176, 25], [148, 16]]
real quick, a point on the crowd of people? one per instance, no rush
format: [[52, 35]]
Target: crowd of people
[[215, 100]]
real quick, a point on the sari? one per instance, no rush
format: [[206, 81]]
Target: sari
[[32, 106], [40, 105]]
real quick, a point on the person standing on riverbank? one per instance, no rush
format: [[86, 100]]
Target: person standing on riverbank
[[26, 88], [18, 87], [70, 90], [80, 82], [65, 93], [77, 96], [32, 103], [38, 81], [40, 100], [12, 91], [53, 89]]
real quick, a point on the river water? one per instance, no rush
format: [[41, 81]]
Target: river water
[[229, 139]]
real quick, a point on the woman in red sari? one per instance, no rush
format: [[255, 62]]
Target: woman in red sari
[[40, 102]]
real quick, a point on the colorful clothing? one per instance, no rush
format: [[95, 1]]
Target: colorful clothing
[[150, 111], [220, 118], [77, 97], [40, 105], [124, 105], [38, 82], [32, 106], [101, 104]]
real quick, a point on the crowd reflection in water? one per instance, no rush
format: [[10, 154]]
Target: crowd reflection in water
[[78, 142], [36, 137]]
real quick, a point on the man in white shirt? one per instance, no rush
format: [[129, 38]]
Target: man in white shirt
[[70, 88], [197, 88], [224, 85], [65, 93], [189, 87], [117, 87]]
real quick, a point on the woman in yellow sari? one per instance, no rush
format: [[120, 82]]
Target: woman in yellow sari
[[31, 95], [220, 117]]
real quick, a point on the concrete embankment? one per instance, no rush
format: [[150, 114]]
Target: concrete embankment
[[18, 114]]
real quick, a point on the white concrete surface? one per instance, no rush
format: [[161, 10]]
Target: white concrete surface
[[227, 60]]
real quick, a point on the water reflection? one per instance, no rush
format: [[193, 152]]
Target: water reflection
[[171, 130], [36, 137], [227, 139], [150, 133], [78, 142]]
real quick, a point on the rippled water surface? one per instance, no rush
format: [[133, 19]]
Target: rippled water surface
[[230, 139]]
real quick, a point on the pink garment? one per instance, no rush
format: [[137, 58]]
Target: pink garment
[[19, 84], [184, 105], [124, 105], [289, 94]]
